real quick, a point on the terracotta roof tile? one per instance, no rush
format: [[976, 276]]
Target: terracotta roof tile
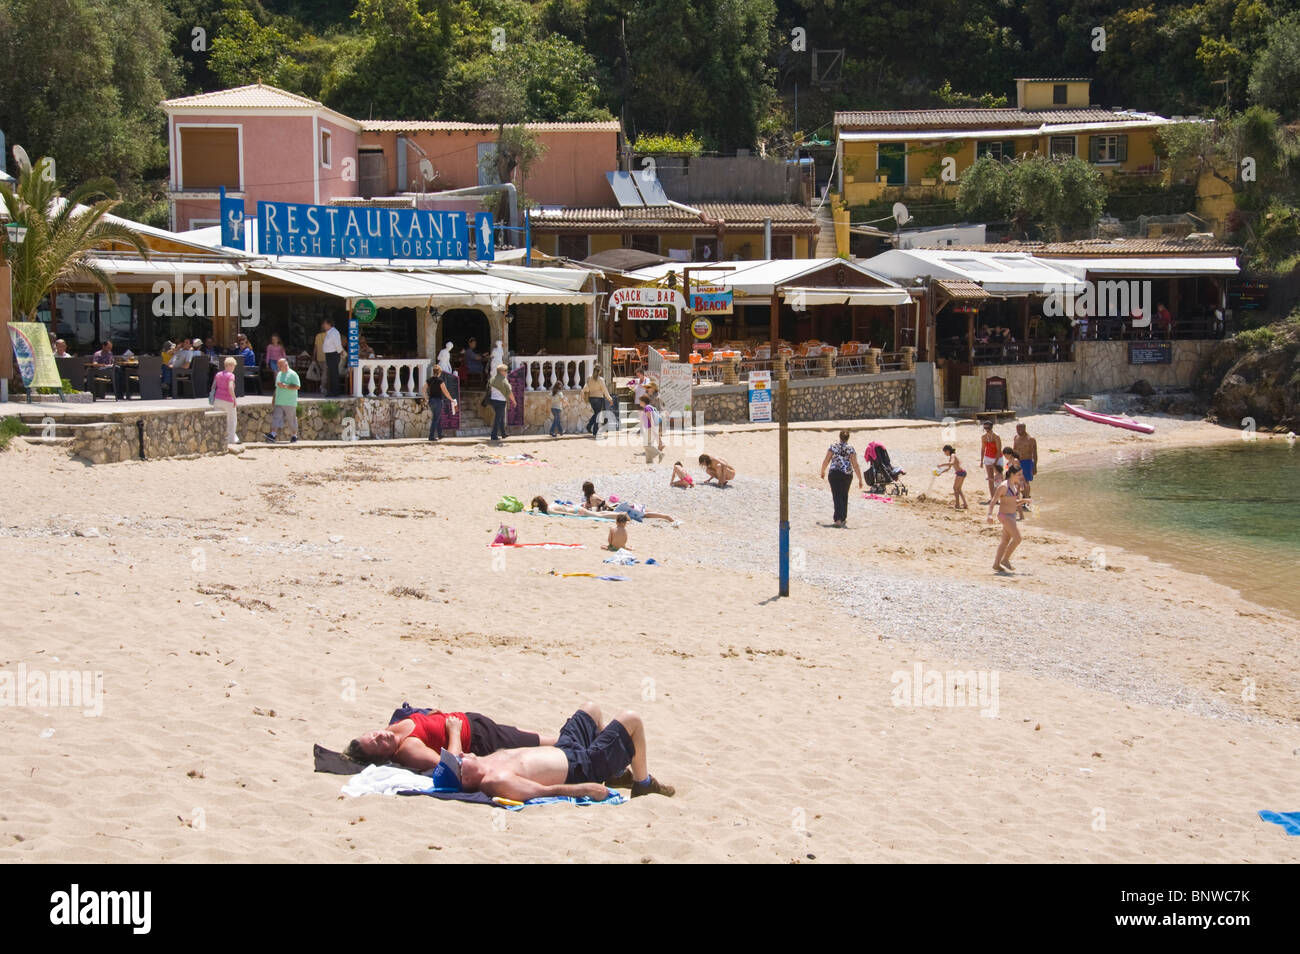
[[787, 218], [1094, 248], [883, 119], [421, 125]]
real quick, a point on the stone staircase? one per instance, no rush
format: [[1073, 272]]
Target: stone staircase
[[46, 430], [826, 232], [475, 420]]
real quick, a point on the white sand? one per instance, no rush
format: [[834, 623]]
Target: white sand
[[213, 596]]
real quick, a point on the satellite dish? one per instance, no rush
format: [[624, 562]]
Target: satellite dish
[[901, 215], [426, 170], [20, 157]]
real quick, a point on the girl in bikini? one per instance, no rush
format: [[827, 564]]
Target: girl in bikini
[[1007, 499], [680, 478], [959, 498]]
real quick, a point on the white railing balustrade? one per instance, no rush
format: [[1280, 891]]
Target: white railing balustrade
[[571, 370], [389, 377]]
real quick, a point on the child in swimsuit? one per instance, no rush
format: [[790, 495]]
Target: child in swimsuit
[[959, 498], [1007, 499], [680, 478]]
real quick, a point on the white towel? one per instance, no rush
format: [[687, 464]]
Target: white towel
[[385, 780]]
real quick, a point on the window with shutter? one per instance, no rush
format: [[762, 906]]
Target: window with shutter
[[1094, 149], [1121, 149], [577, 321]]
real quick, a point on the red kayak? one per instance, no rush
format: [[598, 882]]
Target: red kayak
[[1114, 420]]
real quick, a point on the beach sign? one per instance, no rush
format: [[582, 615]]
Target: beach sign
[[711, 300], [760, 396], [675, 380], [35, 359]]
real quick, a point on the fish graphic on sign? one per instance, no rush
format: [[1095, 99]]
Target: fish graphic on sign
[[232, 221], [485, 249]]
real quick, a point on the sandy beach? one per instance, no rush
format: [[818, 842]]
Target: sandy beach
[[242, 608]]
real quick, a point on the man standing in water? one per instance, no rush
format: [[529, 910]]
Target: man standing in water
[[990, 448], [1026, 449]]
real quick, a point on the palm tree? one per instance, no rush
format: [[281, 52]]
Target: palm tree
[[62, 233]]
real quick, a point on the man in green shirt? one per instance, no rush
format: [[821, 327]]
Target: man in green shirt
[[284, 407]]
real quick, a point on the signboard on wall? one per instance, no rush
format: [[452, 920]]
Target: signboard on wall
[[760, 396], [518, 378], [333, 231], [644, 313], [1247, 295], [1150, 352]]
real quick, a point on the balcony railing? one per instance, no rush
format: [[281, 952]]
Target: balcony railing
[[571, 370]]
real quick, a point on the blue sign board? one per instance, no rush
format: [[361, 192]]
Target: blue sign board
[[354, 342], [484, 246], [333, 231], [232, 221]]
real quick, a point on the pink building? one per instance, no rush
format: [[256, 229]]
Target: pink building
[[261, 143], [397, 156], [265, 144]]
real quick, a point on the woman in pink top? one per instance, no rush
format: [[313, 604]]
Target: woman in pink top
[[274, 352], [223, 397]]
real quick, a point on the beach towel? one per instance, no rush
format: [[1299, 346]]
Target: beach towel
[[544, 546], [878, 497], [335, 763], [1290, 821], [575, 516], [622, 559], [395, 780]]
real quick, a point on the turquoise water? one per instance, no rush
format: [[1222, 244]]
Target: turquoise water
[[1230, 511]]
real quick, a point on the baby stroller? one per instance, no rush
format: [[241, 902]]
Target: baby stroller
[[881, 475]]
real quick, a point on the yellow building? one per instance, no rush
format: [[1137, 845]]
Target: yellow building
[[723, 231], [893, 149]]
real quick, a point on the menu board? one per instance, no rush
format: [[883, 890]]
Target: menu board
[[518, 379], [1247, 295], [1150, 352], [675, 390]]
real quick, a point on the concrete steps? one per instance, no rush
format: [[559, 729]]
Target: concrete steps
[[826, 233]]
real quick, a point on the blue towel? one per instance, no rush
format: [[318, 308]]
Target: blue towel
[[478, 798], [1290, 821]]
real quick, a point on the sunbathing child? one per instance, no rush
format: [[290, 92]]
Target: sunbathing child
[[680, 478], [589, 498], [719, 470], [618, 533], [959, 476]]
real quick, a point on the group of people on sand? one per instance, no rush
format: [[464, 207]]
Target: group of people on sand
[[469, 752], [1010, 473]]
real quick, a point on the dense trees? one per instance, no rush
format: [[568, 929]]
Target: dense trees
[[81, 79]]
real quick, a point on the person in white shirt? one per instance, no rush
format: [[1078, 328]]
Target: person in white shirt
[[333, 348]]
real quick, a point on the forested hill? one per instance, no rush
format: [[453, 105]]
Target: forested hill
[[81, 79]]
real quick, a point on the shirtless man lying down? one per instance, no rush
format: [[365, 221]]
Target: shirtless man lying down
[[583, 759]]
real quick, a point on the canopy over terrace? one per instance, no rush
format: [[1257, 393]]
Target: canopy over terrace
[[827, 300]]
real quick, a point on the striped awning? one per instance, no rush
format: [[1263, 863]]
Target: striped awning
[[959, 290]]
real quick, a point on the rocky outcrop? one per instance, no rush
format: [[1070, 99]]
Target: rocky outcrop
[[1258, 377]]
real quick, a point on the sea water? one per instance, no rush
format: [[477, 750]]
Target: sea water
[[1228, 511]]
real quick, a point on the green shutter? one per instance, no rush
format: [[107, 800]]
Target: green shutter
[[1009, 149], [577, 321], [1122, 151], [1094, 148]]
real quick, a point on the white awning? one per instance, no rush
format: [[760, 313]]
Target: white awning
[[1080, 267], [758, 278], [846, 296], [168, 269], [389, 288]]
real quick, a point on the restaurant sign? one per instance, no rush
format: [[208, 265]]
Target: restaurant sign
[[702, 329], [647, 313], [711, 300], [365, 311], [333, 231], [648, 297]]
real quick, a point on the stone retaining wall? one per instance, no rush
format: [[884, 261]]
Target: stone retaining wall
[[1097, 366], [177, 433], [892, 394]]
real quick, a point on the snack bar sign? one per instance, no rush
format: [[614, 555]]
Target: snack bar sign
[[711, 300], [332, 231], [647, 302]]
